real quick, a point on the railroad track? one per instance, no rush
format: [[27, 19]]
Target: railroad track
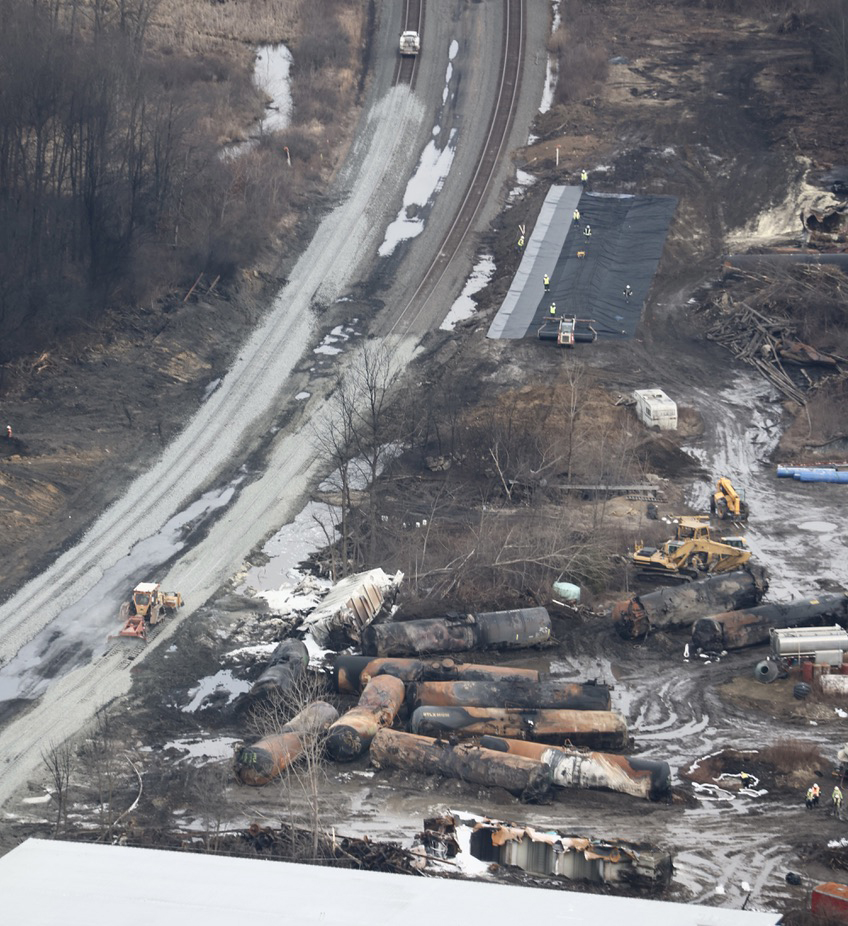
[[500, 123], [406, 68]]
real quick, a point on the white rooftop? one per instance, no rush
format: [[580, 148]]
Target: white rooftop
[[43, 883], [146, 587]]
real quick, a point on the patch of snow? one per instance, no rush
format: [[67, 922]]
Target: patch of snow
[[43, 799], [210, 389], [423, 187], [465, 306], [271, 76], [302, 395], [221, 680], [196, 748], [551, 69]]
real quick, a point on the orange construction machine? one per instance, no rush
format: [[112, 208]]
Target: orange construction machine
[[146, 608]]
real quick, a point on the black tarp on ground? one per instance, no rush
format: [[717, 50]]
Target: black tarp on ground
[[628, 235]]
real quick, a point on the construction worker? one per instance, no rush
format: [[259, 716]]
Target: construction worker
[[9, 431], [836, 800], [808, 800], [816, 794], [584, 178], [628, 292], [521, 242], [745, 778], [587, 231], [552, 310], [547, 282], [576, 215]]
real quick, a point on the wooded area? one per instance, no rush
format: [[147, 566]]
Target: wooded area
[[113, 187]]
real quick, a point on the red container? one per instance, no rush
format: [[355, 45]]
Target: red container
[[830, 899], [807, 671]]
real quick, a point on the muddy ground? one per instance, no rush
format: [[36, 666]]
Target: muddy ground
[[729, 115]]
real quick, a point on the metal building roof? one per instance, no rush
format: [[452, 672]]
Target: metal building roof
[[76, 884]]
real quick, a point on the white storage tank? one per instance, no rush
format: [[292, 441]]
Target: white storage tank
[[656, 409]]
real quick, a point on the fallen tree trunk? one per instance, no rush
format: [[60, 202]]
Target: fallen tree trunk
[[682, 605], [352, 673], [595, 729], [527, 778], [351, 735], [511, 692], [496, 629], [268, 758], [737, 629], [579, 768]]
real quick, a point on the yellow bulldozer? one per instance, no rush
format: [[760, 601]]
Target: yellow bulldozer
[[682, 560], [726, 502], [148, 605]]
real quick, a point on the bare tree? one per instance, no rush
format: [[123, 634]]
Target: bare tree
[[58, 759], [303, 780]]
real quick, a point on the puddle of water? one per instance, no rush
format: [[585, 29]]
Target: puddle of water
[[819, 527]]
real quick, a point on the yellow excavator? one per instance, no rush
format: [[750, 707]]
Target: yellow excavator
[[148, 605], [727, 503], [684, 560]]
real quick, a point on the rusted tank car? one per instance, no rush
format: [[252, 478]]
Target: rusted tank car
[[682, 605], [580, 768], [527, 778], [496, 629], [595, 729], [737, 629], [350, 736], [352, 673], [511, 692], [268, 758]]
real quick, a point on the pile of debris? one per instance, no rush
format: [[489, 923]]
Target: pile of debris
[[766, 336]]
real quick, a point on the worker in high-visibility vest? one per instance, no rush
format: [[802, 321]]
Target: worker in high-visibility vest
[[584, 178], [552, 310], [576, 215], [547, 283], [521, 242], [836, 798]]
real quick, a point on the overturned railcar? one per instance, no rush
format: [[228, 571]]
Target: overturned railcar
[[595, 729], [527, 778], [352, 673], [581, 768], [750, 627], [267, 759], [578, 858], [351, 735], [486, 630], [682, 605], [511, 692]]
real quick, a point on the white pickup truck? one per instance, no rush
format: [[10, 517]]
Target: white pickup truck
[[410, 43]]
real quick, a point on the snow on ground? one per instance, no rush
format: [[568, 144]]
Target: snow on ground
[[465, 306], [222, 680], [271, 76], [424, 185], [197, 748], [551, 72]]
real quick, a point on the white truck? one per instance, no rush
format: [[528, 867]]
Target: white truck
[[410, 43]]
